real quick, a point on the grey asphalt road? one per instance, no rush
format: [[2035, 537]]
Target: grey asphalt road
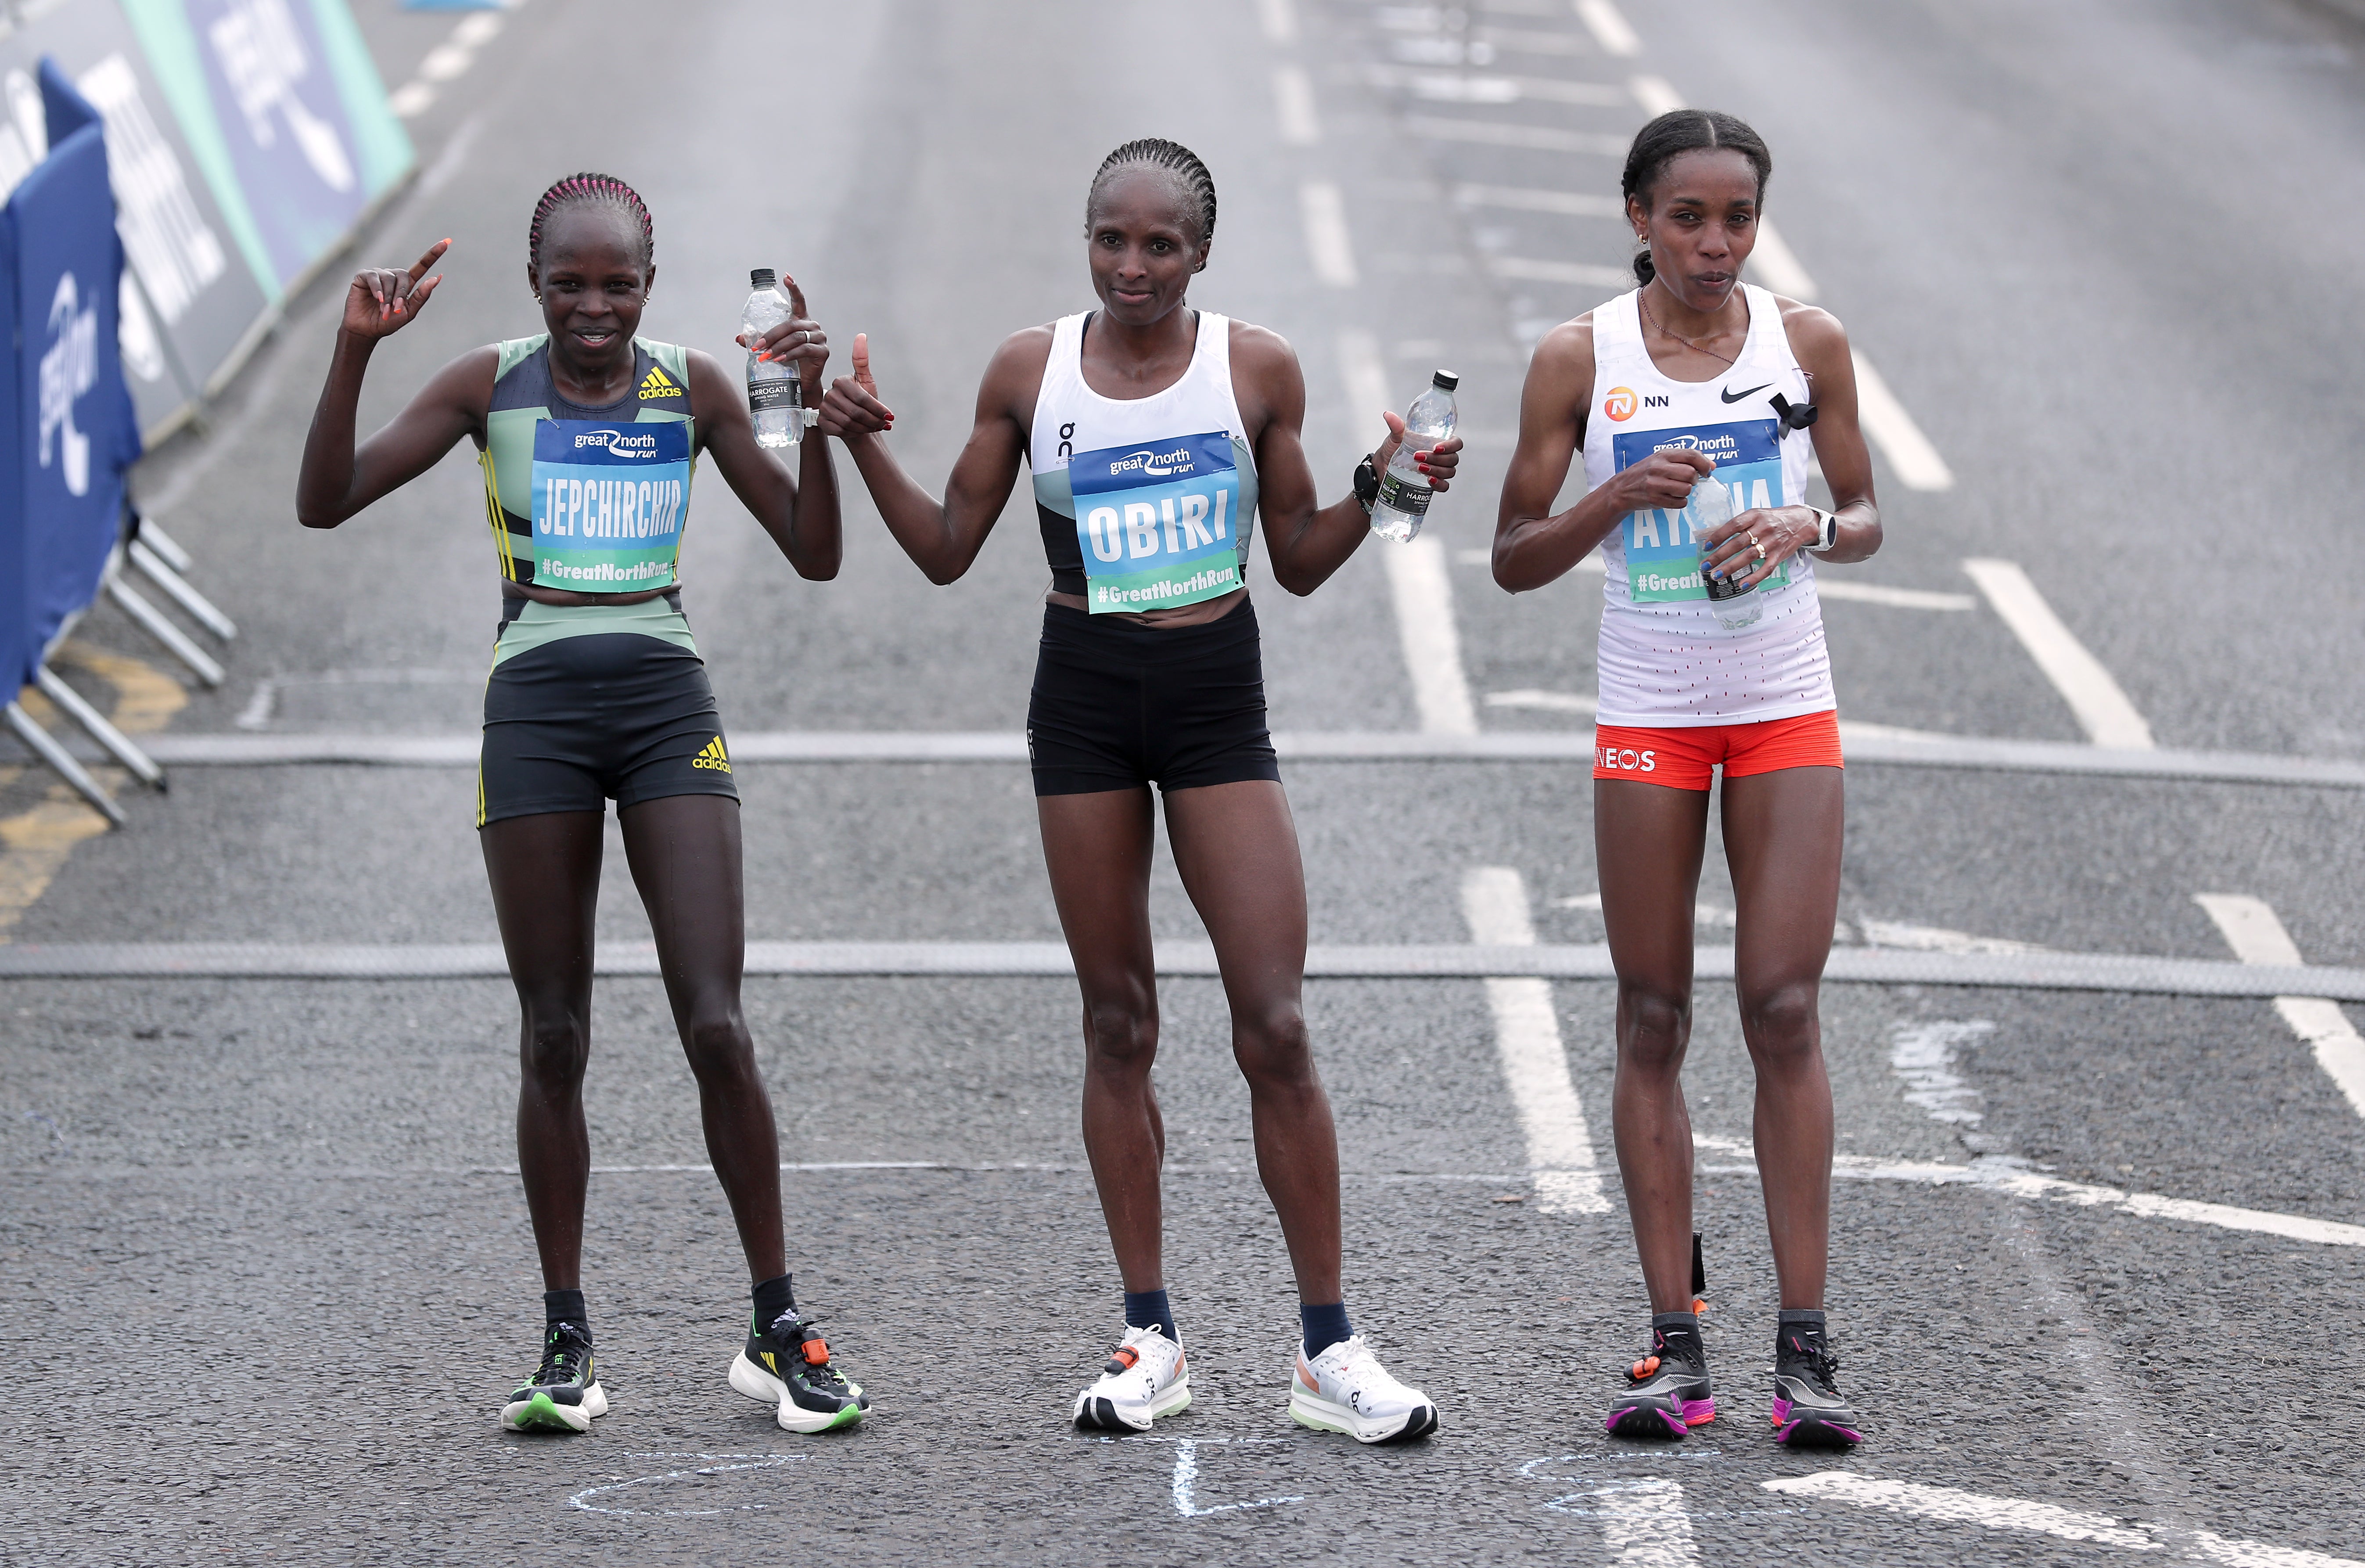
[[263, 1270]]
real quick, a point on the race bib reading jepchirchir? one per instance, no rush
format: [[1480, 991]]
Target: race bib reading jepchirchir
[[608, 501]]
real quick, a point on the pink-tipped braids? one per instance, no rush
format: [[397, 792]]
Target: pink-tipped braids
[[589, 187]]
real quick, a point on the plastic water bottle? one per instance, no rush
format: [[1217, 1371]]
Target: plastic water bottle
[[776, 391], [1405, 492], [1711, 506]]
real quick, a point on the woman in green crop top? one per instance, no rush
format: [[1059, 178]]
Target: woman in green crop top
[[589, 437]]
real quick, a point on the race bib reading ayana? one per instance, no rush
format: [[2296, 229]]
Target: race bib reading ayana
[[1661, 563], [1154, 521], [608, 503]]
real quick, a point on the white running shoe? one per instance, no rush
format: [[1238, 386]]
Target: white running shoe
[[1148, 1377], [1345, 1389]]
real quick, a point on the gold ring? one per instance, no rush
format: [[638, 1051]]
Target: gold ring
[[1761, 545]]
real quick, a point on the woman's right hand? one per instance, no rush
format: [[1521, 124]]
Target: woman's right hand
[[851, 407], [383, 300], [1662, 481]]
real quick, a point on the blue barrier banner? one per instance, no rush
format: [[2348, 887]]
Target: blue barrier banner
[[284, 111], [201, 300], [75, 431], [16, 603]]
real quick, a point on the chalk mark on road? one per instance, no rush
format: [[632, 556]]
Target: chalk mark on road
[[746, 1461]]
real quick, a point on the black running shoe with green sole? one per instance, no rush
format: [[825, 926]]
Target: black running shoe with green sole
[[787, 1366], [564, 1394]]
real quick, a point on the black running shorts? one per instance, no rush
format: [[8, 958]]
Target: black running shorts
[[1119, 704], [613, 715]]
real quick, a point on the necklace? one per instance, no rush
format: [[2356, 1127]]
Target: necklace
[[1686, 342]]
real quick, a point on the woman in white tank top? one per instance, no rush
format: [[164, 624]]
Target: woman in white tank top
[[1155, 433], [1695, 378]]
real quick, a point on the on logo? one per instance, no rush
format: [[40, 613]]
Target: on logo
[[1619, 405], [69, 369]]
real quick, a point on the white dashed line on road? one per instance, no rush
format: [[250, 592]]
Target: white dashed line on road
[[1655, 94], [1542, 138], [1916, 462], [1535, 1064], [2094, 696], [1293, 102], [1279, 18], [1578, 273], [2256, 936], [1609, 27], [1569, 204], [1950, 1506], [446, 62], [1324, 212], [1419, 581]]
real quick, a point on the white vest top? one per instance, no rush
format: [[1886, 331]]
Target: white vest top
[[1664, 661], [1172, 486]]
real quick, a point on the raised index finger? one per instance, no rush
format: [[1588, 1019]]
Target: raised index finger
[[796, 295], [419, 269]]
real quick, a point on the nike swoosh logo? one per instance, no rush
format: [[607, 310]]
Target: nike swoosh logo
[[1737, 396]]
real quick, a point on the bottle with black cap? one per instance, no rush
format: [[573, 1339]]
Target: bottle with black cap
[[1402, 504], [775, 388]]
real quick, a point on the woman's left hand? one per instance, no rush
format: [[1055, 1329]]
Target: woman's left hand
[[799, 340], [1437, 465], [1748, 548]]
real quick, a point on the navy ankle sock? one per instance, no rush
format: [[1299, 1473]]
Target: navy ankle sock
[[773, 1298], [1325, 1326], [563, 1307], [1150, 1309]]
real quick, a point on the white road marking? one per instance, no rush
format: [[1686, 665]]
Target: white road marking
[[446, 62], [1324, 211], [1609, 28], [1884, 418], [1922, 1057], [1776, 267], [752, 1462], [1481, 87], [2256, 936], [1280, 20], [1568, 203], [1643, 1523], [1545, 701], [1579, 273], [1936, 939], [1293, 101], [1186, 1482], [1655, 94], [2101, 708], [1495, 134], [1895, 598], [2015, 1180], [1535, 1064], [1953, 1506], [1418, 582]]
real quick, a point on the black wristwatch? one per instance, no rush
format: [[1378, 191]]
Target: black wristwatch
[[1367, 483]]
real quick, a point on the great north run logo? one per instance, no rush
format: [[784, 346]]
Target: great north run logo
[[69, 368]]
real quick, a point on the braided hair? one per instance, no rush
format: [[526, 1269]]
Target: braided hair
[[576, 189], [1679, 132], [1172, 158]]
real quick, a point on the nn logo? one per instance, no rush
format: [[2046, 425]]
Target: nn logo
[[711, 758], [657, 384], [1655, 402], [1619, 405]]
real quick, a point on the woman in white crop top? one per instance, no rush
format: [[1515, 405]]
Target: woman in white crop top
[[1156, 432], [1695, 378]]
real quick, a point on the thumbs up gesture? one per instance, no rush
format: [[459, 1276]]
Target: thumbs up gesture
[[852, 407]]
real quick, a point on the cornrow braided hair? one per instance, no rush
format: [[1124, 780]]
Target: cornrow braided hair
[[1679, 132], [1157, 153], [589, 188]]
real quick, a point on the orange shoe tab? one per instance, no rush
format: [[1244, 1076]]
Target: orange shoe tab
[[816, 1351]]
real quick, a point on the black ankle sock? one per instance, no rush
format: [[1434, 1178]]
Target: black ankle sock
[[1687, 1321], [1150, 1309], [565, 1307], [1325, 1325], [774, 1297], [1797, 1322]]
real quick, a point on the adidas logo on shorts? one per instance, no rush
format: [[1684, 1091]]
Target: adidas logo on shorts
[[711, 756]]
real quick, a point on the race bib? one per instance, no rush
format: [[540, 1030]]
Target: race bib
[[1156, 521], [1662, 560], [609, 501]]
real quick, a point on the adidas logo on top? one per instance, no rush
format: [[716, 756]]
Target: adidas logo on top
[[711, 756], [657, 384]]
